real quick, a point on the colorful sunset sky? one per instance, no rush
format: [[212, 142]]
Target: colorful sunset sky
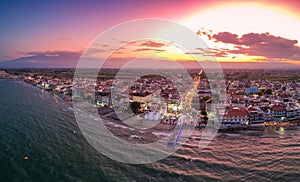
[[240, 34]]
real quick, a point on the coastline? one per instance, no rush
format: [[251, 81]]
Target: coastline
[[132, 134], [161, 130], [159, 127], [59, 145], [63, 97]]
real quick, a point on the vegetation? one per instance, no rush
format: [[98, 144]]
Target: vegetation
[[265, 92], [206, 98], [135, 107], [268, 91], [204, 113]]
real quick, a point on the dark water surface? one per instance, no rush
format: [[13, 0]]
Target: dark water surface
[[39, 125]]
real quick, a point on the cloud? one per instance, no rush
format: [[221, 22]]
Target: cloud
[[227, 37], [94, 51], [69, 59], [152, 44], [201, 53], [257, 44], [118, 52], [45, 53], [207, 33], [149, 49], [221, 53], [211, 52], [124, 42], [270, 46], [4, 57]]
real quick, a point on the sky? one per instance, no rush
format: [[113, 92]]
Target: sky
[[55, 33]]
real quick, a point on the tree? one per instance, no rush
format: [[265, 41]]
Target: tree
[[268, 91], [135, 107], [206, 98], [204, 113], [262, 92]]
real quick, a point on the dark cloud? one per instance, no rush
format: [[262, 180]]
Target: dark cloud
[[207, 33], [269, 46], [92, 51], [149, 49], [257, 44], [267, 39], [124, 42], [221, 53], [152, 44], [227, 37]]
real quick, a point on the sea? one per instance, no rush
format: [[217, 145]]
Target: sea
[[40, 126]]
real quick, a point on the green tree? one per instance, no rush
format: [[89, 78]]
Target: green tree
[[268, 91], [204, 113], [135, 107], [206, 98], [262, 92]]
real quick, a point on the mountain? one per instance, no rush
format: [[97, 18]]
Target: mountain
[[58, 59]]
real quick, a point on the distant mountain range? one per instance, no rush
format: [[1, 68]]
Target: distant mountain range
[[66, 59], [61, 59]]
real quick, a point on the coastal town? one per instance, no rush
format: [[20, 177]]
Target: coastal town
[[250, 103]]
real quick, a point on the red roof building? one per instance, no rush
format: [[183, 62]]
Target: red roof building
[[237, 112], [278, 108]]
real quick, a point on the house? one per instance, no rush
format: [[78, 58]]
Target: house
[[268, 114], [252, 90], [152, 116], [256, 116], [292, 112], [235, 118], [279, 112]]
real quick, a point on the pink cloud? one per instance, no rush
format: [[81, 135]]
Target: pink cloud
[[227, 37], [149, 49], [152, 44], [257, 44]]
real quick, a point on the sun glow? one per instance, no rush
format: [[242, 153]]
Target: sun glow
[[243, 19]]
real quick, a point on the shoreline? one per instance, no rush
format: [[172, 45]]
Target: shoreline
[[116, 126], [158, 127], [61, 96]]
